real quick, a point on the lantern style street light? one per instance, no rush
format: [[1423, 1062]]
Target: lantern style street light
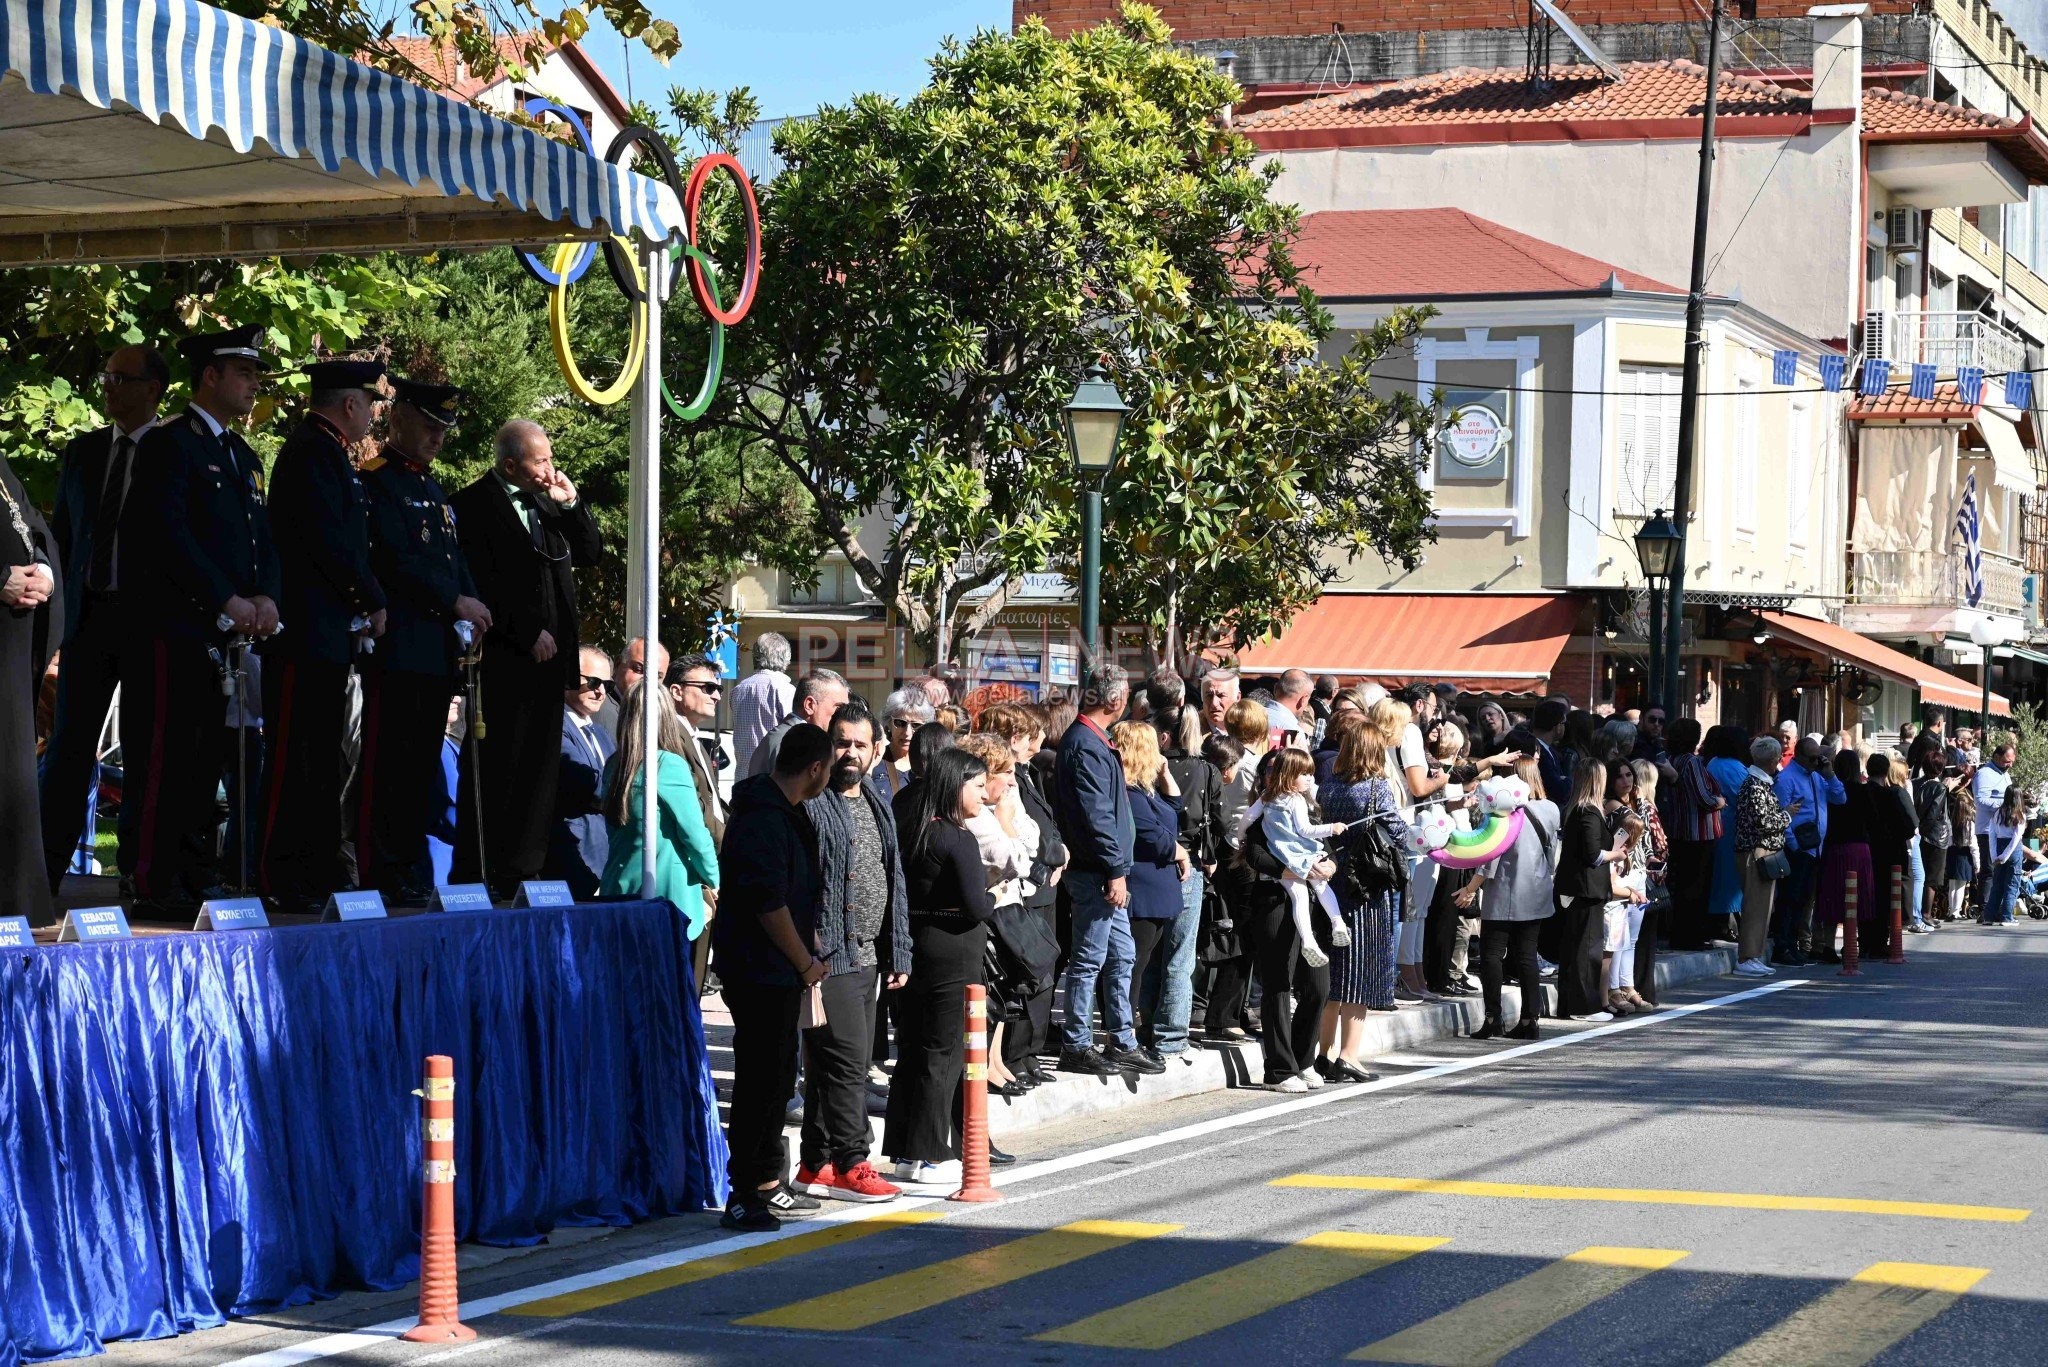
[[1094, 420], [1657, 543]]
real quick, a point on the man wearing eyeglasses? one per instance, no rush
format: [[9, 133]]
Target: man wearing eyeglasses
[[98, 469], [581, 842]]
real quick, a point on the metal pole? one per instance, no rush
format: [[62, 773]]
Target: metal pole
[[1653, 680], [1091, 572], [646, 475], [1689, 387], [1984, 709]]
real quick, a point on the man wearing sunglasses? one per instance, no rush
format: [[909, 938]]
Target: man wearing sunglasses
[[581, 843]]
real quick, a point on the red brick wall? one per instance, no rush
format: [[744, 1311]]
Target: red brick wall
[[1299, 18]]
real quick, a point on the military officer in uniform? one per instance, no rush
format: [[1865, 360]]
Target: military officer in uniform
[[408, 681], [320, 517], [196, 540], [31, 623]]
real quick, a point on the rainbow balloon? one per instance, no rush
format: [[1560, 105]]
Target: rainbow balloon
[[1470, 849]]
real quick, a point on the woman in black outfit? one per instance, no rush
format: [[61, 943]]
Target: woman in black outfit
[[1292, 994], [1572, 939], [950, 911]]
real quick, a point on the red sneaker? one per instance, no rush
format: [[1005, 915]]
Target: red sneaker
[[824, 1181], [859, 1183]]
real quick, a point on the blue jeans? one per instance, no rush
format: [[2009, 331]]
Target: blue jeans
[[1173, 971], [1916, 884], [2002, 891], [1101, 943]]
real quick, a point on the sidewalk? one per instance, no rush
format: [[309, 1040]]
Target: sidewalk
[[1207, 1067]]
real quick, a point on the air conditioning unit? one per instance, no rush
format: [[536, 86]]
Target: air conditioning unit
[[1876, 339], [1903, 231]]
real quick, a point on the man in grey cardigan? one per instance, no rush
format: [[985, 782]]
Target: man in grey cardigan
[[863, 932]]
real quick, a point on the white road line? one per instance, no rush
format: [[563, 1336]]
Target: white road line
[[373, 1335], [481, 1345]]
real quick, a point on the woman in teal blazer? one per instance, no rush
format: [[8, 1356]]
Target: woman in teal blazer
[[686, 862]]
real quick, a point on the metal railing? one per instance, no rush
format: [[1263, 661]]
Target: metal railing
[[1936, 579], [1946, 341]]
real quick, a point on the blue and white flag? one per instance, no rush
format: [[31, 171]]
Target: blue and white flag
[[1923, 382], [2019, 389], [1973, 549], [1877, 376], [1784, 367], [1970, 384], [1831, 370]]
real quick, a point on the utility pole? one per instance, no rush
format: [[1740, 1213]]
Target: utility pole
[[1689, 386]]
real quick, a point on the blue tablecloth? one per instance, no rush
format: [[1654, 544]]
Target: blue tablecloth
[[204, 1125]]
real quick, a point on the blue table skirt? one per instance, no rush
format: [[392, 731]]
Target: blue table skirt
[[198, 1126]]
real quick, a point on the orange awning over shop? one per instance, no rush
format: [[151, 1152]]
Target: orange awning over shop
[[1485, 643], [1936, 686]]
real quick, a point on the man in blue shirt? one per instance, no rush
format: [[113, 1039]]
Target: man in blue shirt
[[1987, 788], [1804, 788]]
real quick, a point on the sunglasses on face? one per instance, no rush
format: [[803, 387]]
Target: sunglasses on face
[[593, 683], [712, 688]]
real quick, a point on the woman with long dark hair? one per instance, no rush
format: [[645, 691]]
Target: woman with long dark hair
[[950, 912]]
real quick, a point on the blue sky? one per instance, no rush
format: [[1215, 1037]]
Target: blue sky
[[797, 54]]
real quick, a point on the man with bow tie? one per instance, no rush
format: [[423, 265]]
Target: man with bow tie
[[195, 540]]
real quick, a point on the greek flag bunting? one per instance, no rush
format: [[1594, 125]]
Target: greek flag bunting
[[1877, 376], [1968, 529], [1970, 384], [1923, 382], [2019, 389], [1831, 371], [1784, 367]]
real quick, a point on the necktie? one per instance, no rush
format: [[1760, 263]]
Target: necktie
[[106, 524], [535, 528]]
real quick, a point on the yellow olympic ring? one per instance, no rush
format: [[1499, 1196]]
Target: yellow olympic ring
[[558, 328]]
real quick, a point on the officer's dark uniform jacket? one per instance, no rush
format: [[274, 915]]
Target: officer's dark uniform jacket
[[320, 515], [194, 532], [417, 558]]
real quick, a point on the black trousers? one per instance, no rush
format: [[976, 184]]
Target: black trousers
[[1576, 933], [404, 718], [923, 1120], [1646, 952], [1440, 931], [1690, 878], [24, 887], [305, 718], [836, 1074], [1510, 944], [90, 670], [519, 756], [1145, 936], [171, 734], [1226, 995], [1292, 994], [1025, 1037], [764, 1040]]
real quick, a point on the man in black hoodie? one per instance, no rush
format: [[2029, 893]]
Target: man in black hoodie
[[764, 945]]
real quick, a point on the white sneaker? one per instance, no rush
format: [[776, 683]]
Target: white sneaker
[[878, 1081], [1597, 1018], [1754, 968], [1313, 955], [1287, 1084], [921, 1174], [1340, 935], [1310, 1078]]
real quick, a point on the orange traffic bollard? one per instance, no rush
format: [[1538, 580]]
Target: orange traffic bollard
[[1897, 954], [439, 1303], [1850, 968], [974, 1184]]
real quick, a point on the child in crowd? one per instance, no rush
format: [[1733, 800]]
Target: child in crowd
[[1962, 850], [1296, 839]]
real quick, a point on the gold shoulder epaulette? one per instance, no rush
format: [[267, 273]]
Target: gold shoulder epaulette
[[371, 463]]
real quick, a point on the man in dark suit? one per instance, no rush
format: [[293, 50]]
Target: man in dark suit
[[522, 530], [31, 622], [320, 517], [1540, 736], [695, 683], [408, 681], [98, 470], [581, 843], [195, 531]]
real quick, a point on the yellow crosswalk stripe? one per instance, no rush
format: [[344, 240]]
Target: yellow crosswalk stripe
[[1859, 1319], [1484, 1330], [1654, 1196], [647, 1283], [922, 1288], [1236, 1293]]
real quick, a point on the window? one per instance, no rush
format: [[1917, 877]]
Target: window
[[1798, 474], [1649, 439], [1747, 399]]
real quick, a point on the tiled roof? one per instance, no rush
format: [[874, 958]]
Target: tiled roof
[[1894, 111], [1443, 254], [439, 62], [1896, 405]]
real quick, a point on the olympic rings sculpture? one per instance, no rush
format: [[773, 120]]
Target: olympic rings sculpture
[[572, 260]]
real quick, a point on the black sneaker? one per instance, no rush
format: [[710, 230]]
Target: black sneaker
[[787, 1203], [1133, 1060], [749, 1217], [1089, 1061]]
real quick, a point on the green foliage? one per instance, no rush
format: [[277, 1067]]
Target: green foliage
[[355, 28], [2029, 735]]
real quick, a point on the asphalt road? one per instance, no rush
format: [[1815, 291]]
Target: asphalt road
[[1835, 1172]]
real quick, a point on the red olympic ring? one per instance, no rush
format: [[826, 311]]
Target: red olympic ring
[[693, 195]]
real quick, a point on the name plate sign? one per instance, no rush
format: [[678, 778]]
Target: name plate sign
[[15, 933], [232, 913], [542, 892], [84, 925], [367, 905], [462, 897]]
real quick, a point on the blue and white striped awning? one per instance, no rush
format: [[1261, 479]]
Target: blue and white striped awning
[[101, 102]]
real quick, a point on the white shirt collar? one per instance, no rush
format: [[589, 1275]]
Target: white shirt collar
[[137, 435]]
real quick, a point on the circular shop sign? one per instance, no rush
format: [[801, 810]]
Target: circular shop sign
[[1474, 435]]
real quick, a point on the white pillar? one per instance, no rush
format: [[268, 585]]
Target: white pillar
[[643, 576]]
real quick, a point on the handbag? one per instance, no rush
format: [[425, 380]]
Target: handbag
[[1806, 837], [1018, 963], [1774, 865]]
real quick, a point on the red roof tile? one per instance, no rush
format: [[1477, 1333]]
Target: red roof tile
[[1433, 254], [439, 62], [1896, 405]]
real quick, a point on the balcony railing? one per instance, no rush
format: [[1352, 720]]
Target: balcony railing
[[1936, 579], [1944, 340]]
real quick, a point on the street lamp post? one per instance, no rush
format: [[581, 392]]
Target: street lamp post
[[1094, 420], [1657, 547], [1989, 636]]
